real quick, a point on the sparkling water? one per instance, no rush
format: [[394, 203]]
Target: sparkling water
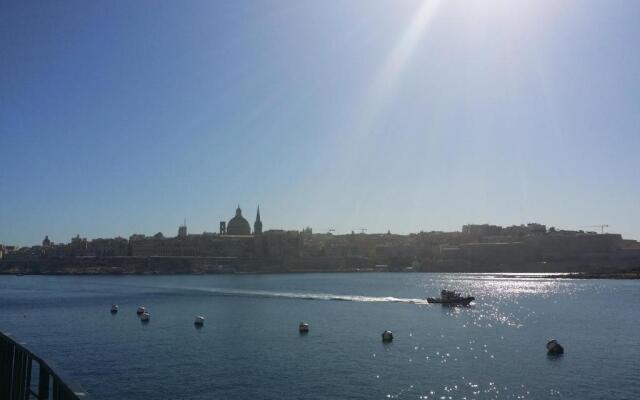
[[250, 347]]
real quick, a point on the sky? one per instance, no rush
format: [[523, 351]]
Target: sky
[[126, 117]]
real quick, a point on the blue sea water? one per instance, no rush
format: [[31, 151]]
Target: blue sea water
[[250, 348]]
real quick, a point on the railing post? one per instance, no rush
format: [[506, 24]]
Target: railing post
[[27, 387], [56, 390], [21, 380], [6, 367], [16, 372], [43, 384]]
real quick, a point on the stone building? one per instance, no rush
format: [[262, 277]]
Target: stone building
[[238, 225], [202, 245], [111, 247], [182, 230], [234, 240], [481, 230]]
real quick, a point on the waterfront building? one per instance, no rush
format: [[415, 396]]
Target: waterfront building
[[78, 246], [481, 230], [109, 247], [198, 245]]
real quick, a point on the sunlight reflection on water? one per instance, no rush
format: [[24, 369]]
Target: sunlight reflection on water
[[250, 346]]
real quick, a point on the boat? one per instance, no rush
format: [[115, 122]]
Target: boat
[[145, 317], [451, 297], [114, 309], [387, 336], [303, 327], [199, 320], [141, 310]]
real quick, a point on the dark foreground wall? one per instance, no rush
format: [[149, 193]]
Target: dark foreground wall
[[168, 265], [210, 265]]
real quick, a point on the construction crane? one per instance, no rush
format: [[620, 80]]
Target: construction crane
[[596, 226], [363, 230], [329, 230]]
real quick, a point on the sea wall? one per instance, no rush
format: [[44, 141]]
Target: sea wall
[[212, 265]]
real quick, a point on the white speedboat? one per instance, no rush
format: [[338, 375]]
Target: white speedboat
[[199, 320]]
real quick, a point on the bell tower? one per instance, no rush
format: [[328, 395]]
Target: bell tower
[[257, 226]]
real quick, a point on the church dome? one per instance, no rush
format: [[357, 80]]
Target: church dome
[[238, 225]]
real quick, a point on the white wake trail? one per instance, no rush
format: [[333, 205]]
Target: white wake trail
[[307, 296]]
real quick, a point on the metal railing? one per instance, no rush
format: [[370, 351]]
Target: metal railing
[[25, 376]]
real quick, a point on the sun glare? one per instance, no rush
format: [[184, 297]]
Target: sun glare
[[381, 90]]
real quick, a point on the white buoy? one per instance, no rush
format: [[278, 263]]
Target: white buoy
[[303, 327], [387, 336], [114, 308], [141, 310], [145, 317], [199, 320]]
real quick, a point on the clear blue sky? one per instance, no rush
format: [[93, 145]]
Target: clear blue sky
[[127, 116]]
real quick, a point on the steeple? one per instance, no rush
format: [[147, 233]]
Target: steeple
[[257, 226]]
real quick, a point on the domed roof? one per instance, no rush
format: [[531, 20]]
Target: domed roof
[[238, 225]]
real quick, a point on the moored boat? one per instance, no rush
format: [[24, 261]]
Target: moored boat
[[451, 297]]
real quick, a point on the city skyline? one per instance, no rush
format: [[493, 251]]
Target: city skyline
[[183, 229], [401, 116]]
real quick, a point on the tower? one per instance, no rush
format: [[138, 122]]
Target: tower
[[182, 230], [257, 226]]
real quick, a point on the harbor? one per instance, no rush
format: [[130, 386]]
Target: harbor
[[253, 323]]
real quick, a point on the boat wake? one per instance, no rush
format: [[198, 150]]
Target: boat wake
[[307, 296]]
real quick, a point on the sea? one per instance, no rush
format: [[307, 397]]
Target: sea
[[250, 347]]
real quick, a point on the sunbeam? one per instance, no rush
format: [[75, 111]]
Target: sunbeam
[[386, 79]]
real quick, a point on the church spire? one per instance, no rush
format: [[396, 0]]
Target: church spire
[[257, 226]]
